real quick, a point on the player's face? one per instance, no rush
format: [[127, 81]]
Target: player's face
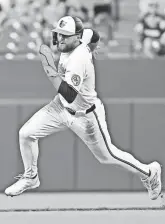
[[66, 43]]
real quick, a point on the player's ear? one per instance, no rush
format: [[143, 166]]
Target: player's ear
[[79, 36]]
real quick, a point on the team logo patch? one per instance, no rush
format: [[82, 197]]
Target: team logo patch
[[76, 80], [62, 23]]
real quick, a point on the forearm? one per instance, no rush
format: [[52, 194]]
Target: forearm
[[61, 86], [56, 81]]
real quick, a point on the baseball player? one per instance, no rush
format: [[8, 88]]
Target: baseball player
[[76, 106]]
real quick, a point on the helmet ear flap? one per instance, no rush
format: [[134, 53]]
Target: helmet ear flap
[[54, 35]]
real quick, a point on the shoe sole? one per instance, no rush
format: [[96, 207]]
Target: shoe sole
[[33, 187]]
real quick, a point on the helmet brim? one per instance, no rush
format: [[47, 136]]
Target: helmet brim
[[62, 31]]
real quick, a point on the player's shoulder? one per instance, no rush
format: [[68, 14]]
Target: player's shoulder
[[82, 48], [81, 52]]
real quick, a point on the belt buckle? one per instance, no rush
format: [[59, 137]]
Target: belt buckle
[[80, 113]]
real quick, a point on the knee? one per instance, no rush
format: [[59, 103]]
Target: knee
[[107, 160], [104, 160], [24, 133]]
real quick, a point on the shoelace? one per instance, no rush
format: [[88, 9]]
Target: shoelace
[[147, 184], [19, 176], [151, 184]]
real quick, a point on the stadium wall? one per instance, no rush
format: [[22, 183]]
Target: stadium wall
[[134, 95]]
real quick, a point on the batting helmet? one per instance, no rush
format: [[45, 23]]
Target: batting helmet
[[90, 36], [68, 26]]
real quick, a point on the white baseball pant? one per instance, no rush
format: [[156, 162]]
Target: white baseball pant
[[91, 128]]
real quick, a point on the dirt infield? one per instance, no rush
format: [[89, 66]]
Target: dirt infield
[[104, 217], [78, 208]]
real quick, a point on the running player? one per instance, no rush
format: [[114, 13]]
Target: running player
[[77, 107]]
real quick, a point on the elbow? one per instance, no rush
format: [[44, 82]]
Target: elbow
[[69, 99]]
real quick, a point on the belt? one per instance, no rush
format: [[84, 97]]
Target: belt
[[85, 112]]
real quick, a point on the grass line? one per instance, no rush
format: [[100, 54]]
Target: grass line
[[84, 209]]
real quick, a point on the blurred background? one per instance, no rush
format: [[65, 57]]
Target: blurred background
[[130, 80], [128, 28]]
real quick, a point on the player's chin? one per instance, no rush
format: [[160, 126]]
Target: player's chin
[[62, 49]]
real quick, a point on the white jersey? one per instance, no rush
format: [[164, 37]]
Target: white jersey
[[77, 69]]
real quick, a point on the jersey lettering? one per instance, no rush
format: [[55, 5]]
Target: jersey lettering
[[61, 69]]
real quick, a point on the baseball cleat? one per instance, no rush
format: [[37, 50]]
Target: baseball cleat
[[153, 182], [23, 184]]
